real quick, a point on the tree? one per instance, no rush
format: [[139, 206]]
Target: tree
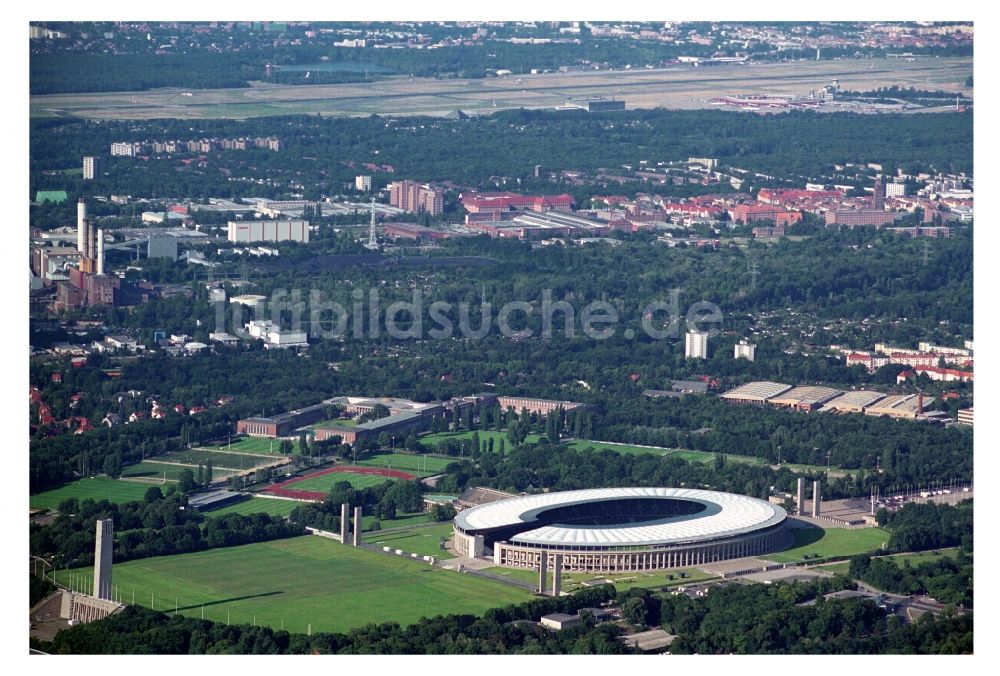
[[634, 611], [113, 465], [186, 482], [153, 494], [208, 472], [303, 444]]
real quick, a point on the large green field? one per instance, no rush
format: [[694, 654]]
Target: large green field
[[684, 454], [256, 506], [915, 558], [151, 469], [304, 581], [828, 542], [423, 540], [437, 438], [324, 483], [421, 465], [574, 581], [97, 488], [233, 460], [402, 520], [252, 445]]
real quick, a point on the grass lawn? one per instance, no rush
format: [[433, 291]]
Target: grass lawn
[[400, 520], [150, 469], [627, 449], [831, 542], [699, 456], [916, 558], [336, 422], [496, 436], [253, 445], [573, 581], [324, 483], [421, 539], [421, 465], [234, 461], [301, 581], [98, 488], [257, 506]]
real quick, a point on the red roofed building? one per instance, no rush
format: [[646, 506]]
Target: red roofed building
[[747, 213], [777, 196], [692, 209], [502, 206], [943, 374]]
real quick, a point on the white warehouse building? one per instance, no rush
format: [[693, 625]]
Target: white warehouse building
[[269, 231]]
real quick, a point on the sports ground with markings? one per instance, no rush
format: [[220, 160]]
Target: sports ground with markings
[[316, 485]]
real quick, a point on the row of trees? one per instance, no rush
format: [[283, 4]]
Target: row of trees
[[140, 630], [156, 526], [385, 501]]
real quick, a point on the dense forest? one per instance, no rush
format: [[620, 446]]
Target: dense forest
[[317, 151], [946, 580], [760, 619], [843, 295]]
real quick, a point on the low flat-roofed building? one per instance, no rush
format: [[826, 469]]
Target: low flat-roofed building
[[394, 425], [965, 416], [653, 639], [214, 499], [853, 402], [539, 406], [756, 392], [899, 406], [559, 621], [805, 398], [224, 338]]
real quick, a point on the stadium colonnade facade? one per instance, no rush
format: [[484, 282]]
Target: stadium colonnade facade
[[620, 529]]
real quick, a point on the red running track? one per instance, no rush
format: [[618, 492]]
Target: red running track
[[281, 490]]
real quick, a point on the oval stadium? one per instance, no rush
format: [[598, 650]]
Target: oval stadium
[[613, 530]]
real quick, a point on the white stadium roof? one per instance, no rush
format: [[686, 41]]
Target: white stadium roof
[[727, 515]]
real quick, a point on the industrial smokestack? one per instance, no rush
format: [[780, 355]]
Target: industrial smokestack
[[100, 251], [81, 217], [88, 239]]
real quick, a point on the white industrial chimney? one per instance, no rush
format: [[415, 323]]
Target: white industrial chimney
[[100, 251]]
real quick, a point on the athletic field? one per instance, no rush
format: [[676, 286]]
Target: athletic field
[[420, 465], [220, 458], [303, 581], [252, 445], [256, 506], [433, 440], [153, 470], [826, 542], [96, 488], [316, 485]]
